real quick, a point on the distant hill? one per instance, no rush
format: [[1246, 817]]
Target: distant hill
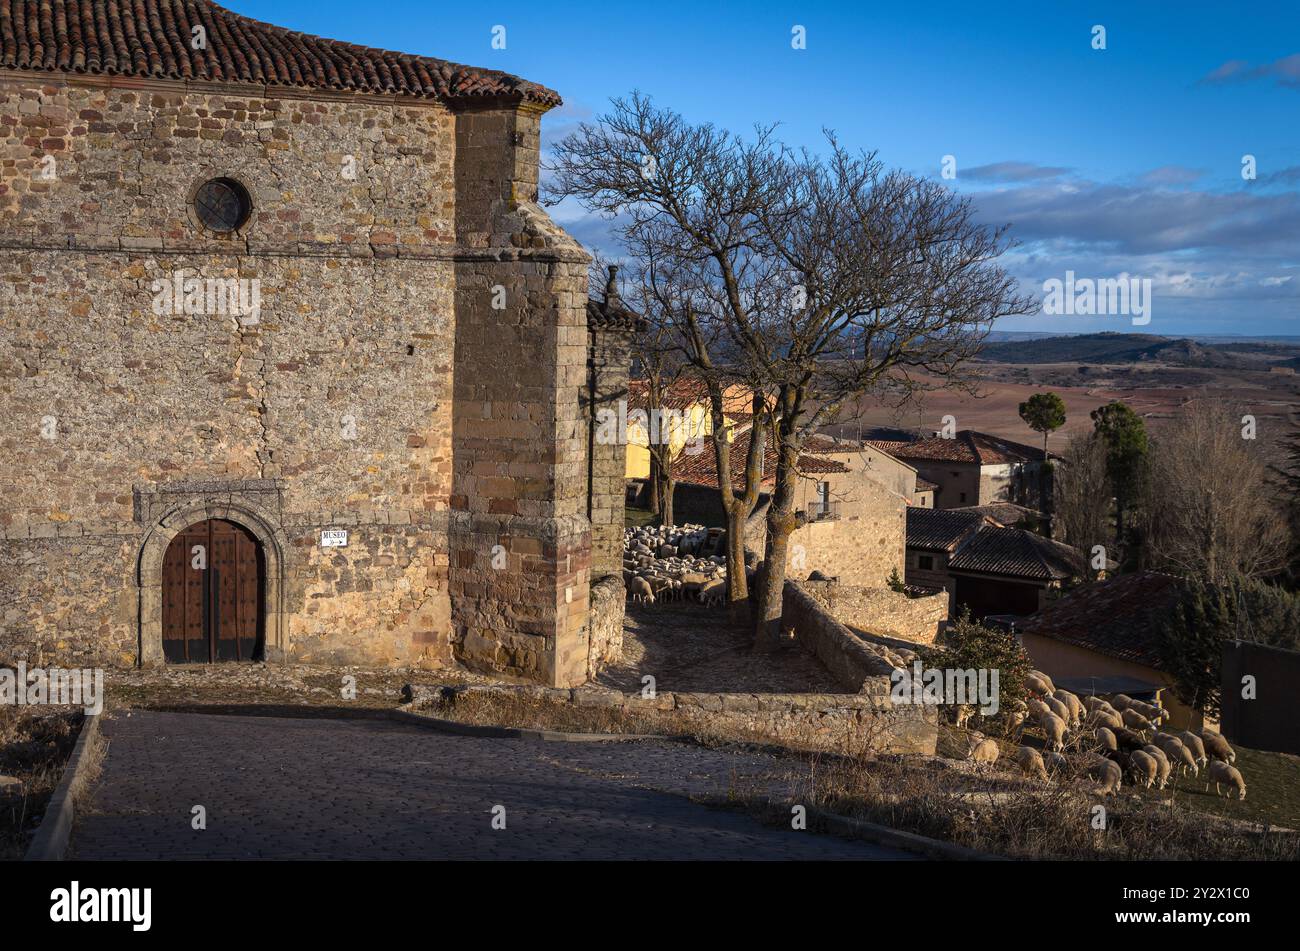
[[1128, 348]]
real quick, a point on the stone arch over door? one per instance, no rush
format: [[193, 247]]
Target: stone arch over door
[[149, 574]]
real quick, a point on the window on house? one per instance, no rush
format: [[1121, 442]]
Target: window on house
[[925, 562], [222, 205], [963, 496]]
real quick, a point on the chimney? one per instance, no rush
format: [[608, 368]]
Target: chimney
[[611, 287]]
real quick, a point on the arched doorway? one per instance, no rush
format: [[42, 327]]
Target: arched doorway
[[214, 595]]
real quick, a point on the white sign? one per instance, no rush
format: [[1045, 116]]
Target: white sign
[[334, 538]]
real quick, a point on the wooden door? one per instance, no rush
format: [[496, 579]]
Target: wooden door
[[213, 582]]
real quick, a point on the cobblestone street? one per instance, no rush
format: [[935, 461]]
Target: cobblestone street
[[280, 788]]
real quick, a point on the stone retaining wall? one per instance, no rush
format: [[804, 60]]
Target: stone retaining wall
[[882, 611], [607, 607]]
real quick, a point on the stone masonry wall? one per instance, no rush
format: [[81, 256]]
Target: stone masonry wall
[[376, 220], [882, 610], [520, 559], [609, 362]]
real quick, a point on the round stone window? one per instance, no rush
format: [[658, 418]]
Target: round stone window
[[222, 205]]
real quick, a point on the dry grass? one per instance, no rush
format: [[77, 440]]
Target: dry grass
[[35, 743]]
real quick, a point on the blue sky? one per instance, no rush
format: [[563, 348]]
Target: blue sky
[[1123, 160]]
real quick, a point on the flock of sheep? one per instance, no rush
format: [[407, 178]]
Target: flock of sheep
[[673, 563], [1118, 737]]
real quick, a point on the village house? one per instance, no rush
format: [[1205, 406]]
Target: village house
[[983, 565], [295, 367], [1103, 638], [973, 468]]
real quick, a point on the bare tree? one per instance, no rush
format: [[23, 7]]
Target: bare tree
[[1082, 498], [814, 279], [1208, 513]]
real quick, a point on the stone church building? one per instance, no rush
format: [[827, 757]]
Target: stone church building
[[292, 365]]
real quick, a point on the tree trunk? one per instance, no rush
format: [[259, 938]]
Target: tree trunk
[[666, 484], [781, 523], [652, 489]]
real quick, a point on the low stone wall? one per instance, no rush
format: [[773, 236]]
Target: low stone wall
[[839, 723], [605, 645], [882, 610], [844, 654]]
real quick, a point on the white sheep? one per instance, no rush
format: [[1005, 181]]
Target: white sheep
[[1037, 685], [1053, 730], [1162, 764], [1179, 755], [1135, 721], [1030, 762], [1062, 710], [1218, 747], [640, 590], [1108, 773], [1195, 746], [1221, 773], [1077, 709], [1120, 701], [1105, 738], [713, 593], [1051, 687], [1143, 765], [983, 751]]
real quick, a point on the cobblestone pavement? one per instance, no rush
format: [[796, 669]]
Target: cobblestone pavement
[[281, 788]]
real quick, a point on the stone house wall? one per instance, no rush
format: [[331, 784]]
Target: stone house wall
[[378, 390], [882, 611]]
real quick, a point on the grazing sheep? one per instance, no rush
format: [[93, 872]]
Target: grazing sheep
[[1059, 708], [1128, 740], [1051, 687], [713, 593], [1053, 730], [1092, 703], [1030, 762], [640, 590], [1037, 685], [1037, 708], [1105, 738], [1179, 755], [963, 711], [1121, 701], [1221, 773], [1076, 707], [1218, 747], [983, 751], [1162, 764], [1108, 773], [1055, 762], [1136, 721], [1194, 746], [1016, 716], [1143, 766], [1101, 716]]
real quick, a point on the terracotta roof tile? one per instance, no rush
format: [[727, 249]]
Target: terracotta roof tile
[[152, 39], [701, 469], [1016, 553], [939, 529], [966, 446], [1119, 617]]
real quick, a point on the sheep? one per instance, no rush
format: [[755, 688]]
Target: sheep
[[1104, 717], [1150, 711], [1055, 762], [983, 751], [713, 593], [1179, 755], [1016, 716], [640, 590], [1077, 710], [1051, 687], [1121, 701], [1053, 730], [1109, 774], [1136, 721], [1194, 746], [1092, 703], [1037, 685], [1060, 709], [1218, 747], [1030, 762], [1037, 708], [1128, 740], [961, 714], [1221, 773], [1162, 764], [1143, 766], [1105, 738]]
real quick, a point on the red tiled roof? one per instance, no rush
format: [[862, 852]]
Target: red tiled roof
[[701, 469], [1119, 617], [1016, 553], [686, 392], [966, 446], [603, 315], [152, 39], [939, 529]]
